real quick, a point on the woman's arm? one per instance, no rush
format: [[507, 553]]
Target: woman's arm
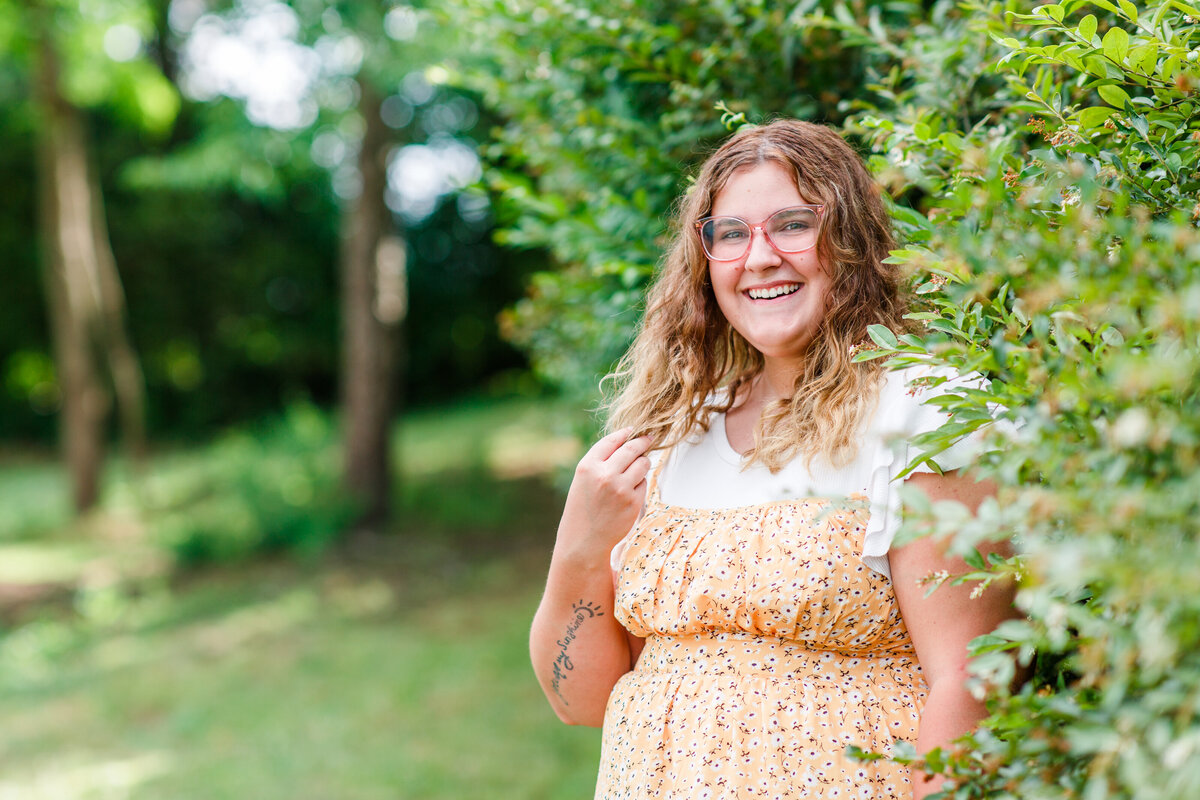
[[578, 648], [942, 624]]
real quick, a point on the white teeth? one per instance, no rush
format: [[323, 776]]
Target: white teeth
[[774, 291]]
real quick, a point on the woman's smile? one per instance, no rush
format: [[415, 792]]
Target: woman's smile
[[774, 291]]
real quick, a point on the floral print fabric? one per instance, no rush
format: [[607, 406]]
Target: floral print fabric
[[770, 647]]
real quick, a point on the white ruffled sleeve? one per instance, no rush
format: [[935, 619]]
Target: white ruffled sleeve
[[901, 416]]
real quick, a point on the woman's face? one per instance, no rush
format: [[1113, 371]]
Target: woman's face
[[775, 300]]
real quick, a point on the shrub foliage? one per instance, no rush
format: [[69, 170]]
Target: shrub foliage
[[1043, 172], [1061, 262]]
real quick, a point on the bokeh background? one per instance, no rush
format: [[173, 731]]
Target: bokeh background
[[198, 596], [306, 304]]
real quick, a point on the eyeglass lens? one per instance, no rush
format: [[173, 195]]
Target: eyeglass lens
[[790, 230]]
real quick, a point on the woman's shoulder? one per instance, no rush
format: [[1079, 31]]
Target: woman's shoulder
[[907, 394]]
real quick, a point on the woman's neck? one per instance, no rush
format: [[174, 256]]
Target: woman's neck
[[773, 382], [769, 385], [777, 381]]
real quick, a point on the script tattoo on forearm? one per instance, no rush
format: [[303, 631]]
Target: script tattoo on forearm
[[562, 662]]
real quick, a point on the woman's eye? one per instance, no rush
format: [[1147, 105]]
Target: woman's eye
[[728, 235]]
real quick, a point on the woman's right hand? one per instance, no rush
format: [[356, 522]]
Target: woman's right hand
[[606, 495]]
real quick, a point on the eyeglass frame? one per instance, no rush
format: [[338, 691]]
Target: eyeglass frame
[[818, 208]]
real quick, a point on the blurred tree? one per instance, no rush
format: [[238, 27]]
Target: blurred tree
[[366, 97], [227, 230], [374, 303], [83, 288], [374, 253]]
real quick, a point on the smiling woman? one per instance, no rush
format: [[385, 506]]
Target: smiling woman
[[731, 607]]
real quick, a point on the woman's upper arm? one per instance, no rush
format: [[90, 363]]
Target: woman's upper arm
[[942, 624]]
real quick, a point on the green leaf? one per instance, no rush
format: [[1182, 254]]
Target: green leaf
[[1116, 44], [945, 326], [882, 336], [952, 142], [1054, 11], [1144, 58], [1130, 9], [1094, 116], [1169, 67], [1073, 60], [869, 355], [1101, 67], [1087, 27], [1114, 95], [1141, 125]]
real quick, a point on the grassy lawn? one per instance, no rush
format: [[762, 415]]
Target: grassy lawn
[[394, 668]]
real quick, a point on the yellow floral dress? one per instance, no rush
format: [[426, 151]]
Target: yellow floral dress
[[770, 647]]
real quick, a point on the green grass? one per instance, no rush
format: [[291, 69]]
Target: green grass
[[396, 668], [274, 682]]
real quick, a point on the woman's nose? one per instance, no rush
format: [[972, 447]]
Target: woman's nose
[[762, 253]]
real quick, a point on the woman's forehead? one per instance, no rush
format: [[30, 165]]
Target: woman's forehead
[[759, 189]]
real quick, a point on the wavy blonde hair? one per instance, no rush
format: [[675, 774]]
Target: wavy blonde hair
[[687, 361]]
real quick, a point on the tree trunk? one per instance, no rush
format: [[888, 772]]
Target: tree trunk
[[65, 227], [124, 367], [83, 289], [373, 307]]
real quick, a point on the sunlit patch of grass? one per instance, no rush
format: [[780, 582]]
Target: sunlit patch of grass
[[44, 562], [273, 682], [397, 671], [83, 776], [477, 468]]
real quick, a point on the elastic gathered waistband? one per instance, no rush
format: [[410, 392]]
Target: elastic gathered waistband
[[733, 653]]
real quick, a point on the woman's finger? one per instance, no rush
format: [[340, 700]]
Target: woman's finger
[[627, 453], [636, 473], [603, 449]]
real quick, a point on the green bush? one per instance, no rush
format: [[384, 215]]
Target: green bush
[[1062, 263], [274, 487]]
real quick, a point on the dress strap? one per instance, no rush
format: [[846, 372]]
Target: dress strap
[[654, 480]]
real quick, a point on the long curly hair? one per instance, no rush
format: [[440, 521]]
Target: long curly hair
[[687, 362]]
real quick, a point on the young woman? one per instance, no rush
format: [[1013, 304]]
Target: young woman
[[730, 606]]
